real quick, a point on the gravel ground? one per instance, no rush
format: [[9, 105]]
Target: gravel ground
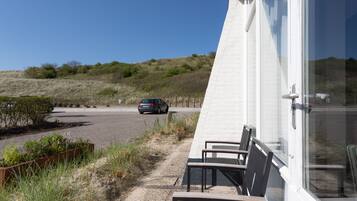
[[101, 126]]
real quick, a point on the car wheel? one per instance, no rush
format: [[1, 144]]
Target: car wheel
[[141, 112]]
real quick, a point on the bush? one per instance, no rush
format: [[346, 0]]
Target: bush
[[33, 72], [24, 111], [66, 70], [46, 71], [187, 67], [175, 71], [34, 149], [83, 69], [12, 155], [53, 144], [45, 146], [108, 92]]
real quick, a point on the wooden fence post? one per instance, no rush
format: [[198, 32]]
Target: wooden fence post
[[169, 118]]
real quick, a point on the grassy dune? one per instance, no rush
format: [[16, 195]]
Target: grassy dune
[[187, 76], [65, 90]]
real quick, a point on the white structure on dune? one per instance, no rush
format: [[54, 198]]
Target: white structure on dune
[[229, 65], [274, 48]]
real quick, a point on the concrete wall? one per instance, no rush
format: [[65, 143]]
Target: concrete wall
[[223, 110]]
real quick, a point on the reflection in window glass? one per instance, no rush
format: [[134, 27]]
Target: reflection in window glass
[[274, 83], [331, 91], [251, 54]]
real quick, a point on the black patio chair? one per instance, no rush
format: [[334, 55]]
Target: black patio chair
[[242, 145], [241, 150], [255, 180], [256, 171]]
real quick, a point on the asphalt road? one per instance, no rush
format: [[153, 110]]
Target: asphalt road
[[102, 126]]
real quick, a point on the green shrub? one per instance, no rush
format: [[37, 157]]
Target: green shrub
[[33, 72], [46, 71], [33, 149], [108, 92], [187, 67], [66, 70], [45, 146], [83, 69], [12, 155], [175, 71], [53, 144], [128, 71]]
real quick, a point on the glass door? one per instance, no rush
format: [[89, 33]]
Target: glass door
[[330, 99]]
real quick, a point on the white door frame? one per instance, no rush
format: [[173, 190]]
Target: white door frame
[[293, 173], [296, 49]]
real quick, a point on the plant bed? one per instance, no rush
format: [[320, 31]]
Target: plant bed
[[6, 173], [36, 155]]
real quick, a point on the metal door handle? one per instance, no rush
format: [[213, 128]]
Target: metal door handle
[[290, 96]]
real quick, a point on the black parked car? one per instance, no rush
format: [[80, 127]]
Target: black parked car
[[153, 105]]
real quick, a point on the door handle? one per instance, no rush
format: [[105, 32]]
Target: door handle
[[290, 96]]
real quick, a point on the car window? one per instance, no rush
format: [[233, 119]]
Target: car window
[[148, 101]]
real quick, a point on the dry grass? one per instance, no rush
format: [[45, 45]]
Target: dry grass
[[152, 80], [65, 90]]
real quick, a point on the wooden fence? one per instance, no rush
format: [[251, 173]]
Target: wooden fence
[[193, 102]]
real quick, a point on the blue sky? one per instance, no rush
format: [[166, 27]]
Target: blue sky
[[90, 31]]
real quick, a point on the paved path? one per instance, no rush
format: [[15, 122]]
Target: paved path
[[102, 126], [167, 178]]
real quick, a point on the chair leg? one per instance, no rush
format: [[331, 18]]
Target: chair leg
[[205, 177], [214, 177], [188, 179], [202, 179]]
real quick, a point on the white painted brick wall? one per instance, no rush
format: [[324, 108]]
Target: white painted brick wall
[[223, 114]]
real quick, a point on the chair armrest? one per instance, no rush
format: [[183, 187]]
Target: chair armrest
[[225, 151], [193, 196], [220, 142], [222, 166]]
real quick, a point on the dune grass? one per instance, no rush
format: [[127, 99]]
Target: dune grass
[[186, 76]]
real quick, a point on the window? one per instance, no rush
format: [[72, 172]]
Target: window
[[330, 90], [273, 76]]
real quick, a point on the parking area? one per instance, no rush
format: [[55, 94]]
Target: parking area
[[102, 126]]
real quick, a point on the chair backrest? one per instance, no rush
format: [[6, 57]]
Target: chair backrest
[[245, 139], [352, 157], [256, 176]]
